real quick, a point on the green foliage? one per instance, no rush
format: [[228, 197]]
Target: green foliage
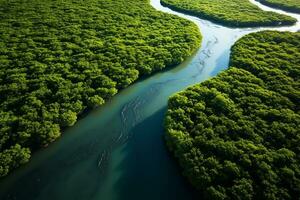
[[12, 158], [237, 135], [235, 13], [288, 5], [68, 118], [59, 58]]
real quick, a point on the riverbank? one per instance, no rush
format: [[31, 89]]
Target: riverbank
[[222, 130], [59, 59]]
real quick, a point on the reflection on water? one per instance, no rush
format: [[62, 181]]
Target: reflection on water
[[117, 152]]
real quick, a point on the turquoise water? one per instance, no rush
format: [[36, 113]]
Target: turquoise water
[[118, 152]]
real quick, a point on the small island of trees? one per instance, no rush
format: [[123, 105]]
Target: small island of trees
[[234, 13], [288, 5]]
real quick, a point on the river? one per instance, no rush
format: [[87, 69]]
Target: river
[[117, 152]]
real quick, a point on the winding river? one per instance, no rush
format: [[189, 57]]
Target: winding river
[[117, 151]]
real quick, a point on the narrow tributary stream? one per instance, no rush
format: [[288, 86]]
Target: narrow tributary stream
[[117, 152]]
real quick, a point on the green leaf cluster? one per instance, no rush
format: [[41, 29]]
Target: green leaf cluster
[[237, 135], [234, 13], [61, 58]]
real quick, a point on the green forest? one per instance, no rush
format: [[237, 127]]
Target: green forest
[[237, 135], [234, 13], [288, 5], [59, 59]]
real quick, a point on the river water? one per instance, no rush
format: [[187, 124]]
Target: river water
[[117, 152]]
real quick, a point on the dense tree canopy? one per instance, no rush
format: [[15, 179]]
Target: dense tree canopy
[[237, 136], [59, 58], [288, 5], [236, 13]]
